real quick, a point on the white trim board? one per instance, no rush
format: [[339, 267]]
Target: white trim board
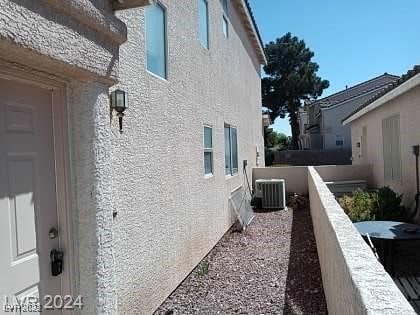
[[61, 145], [400, 90]]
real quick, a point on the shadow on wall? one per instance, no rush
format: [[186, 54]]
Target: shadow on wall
[[304, 291]]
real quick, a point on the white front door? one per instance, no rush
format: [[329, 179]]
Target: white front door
[[28, 202]]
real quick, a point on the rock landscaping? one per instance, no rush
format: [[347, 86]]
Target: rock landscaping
[[271, 268]]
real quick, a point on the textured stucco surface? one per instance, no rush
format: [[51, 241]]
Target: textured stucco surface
[[76, 44], [354, 281], [92, 203], [331, 173], [294, 176], [407, 105], [82, 42], [169, 214]]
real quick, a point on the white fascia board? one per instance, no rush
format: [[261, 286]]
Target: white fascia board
[[403, 88]]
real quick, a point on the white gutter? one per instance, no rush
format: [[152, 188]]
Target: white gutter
[[399, 90]]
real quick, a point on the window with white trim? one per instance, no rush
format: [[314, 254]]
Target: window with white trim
[[391, 148], [208, 150], [231, 150], [204, 23], [156, 39], [225, 17]]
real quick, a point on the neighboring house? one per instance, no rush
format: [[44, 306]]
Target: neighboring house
[[304, 139], [384, 129], [266, 120], [323, 117], [133, 212]]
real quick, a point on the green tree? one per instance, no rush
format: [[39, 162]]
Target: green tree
[[276, 140], [291, 78]]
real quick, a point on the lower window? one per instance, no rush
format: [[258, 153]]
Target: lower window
[[208, 150], [231, 150]]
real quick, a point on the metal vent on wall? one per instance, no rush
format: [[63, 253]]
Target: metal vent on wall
[[272, 193]]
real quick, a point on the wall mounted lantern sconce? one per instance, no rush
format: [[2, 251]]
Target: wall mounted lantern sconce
[[119, 102]]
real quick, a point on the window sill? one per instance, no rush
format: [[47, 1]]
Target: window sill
[[205, 50], [232, 176], [156, 76], [208, 176]]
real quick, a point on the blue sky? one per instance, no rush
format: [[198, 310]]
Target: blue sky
[[353, 40]]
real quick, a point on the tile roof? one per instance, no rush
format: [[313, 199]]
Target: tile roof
[[405, 77], [383, 80], [248, 6], [254, 29]]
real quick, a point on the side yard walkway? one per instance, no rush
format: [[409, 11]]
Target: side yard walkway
[[271, 268]]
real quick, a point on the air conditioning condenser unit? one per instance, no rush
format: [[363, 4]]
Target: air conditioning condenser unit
[[271, 193]]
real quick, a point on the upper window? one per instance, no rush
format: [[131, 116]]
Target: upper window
[[391, 147], [231, 150], [204, 23], [339, 140], [208, 150], [156, 39], [225, 18]]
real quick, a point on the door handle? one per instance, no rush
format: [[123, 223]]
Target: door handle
[[53, 233]]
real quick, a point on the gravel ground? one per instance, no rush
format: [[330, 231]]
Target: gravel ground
[[271, 268]]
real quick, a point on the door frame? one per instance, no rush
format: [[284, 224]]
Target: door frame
[[61, 138]]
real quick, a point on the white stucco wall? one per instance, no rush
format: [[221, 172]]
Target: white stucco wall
[[332, 117], [91, 167], [169, 215], [332, 173], [294, 177], [407, 105]]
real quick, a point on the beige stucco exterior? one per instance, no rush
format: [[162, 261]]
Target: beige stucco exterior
[[152, 175], [75, 45], [407, 106], [169, 214]]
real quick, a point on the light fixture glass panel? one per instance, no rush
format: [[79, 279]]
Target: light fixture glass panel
[[120, 99]]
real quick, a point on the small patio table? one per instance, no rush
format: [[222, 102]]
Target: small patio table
[[387, 232]]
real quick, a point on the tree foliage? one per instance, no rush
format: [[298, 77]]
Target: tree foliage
[[291, 78], [276, 140]]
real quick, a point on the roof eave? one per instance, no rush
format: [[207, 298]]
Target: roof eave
[[251, 29], [392, 94]]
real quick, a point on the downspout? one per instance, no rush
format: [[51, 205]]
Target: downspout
[[416, 152]]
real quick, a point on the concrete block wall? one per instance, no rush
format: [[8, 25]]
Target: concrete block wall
[[312, 157], [330, 173], [294, 176], [353, 279]]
